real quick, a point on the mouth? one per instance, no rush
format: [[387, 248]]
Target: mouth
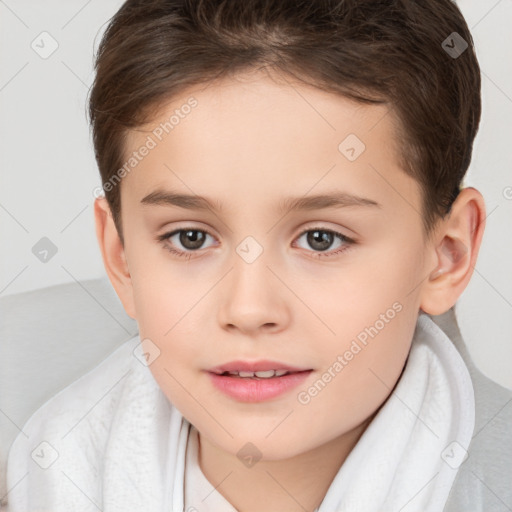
[[256, 382], [260, 386], [260, 375], [262, 369]]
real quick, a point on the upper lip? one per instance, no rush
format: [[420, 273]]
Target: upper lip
[[255, 366]]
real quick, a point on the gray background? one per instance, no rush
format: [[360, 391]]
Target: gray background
[[48, 171]]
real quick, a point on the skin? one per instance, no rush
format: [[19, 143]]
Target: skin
[[251, 142]]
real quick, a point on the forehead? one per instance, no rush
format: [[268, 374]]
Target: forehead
[[250, 137], [257, 107]]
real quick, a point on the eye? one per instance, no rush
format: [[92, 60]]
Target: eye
[[190, 238], [321, 239]]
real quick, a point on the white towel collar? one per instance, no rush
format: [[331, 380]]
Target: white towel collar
[[122, 446]]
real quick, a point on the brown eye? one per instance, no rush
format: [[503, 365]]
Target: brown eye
[[192, 238], [320, 240], [184, 242]]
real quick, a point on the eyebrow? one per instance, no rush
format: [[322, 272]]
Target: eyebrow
[[316, 202]]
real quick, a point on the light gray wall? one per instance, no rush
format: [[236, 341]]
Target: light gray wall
[[48, 172]]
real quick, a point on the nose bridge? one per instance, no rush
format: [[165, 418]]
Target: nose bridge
[[252, 298]]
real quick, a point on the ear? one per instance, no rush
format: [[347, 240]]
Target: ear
[[114, 258], [454, 252]]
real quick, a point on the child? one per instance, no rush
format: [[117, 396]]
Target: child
[[283, 215]]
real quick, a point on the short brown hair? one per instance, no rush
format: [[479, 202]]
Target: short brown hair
[[371, 51]]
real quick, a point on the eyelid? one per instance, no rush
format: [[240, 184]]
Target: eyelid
[[184, 225], [323, 226], [170, 233]]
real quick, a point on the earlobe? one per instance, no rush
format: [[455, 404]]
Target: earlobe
[[113, 254], [455, 253]]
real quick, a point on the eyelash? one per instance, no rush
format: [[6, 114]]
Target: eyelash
[[349, 242]]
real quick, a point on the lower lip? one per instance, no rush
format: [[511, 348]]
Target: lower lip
[[257, 390]]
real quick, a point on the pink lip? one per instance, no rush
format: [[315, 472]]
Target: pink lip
[[257, 390], [254, 366]]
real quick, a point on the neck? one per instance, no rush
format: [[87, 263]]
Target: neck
[[296, 484]]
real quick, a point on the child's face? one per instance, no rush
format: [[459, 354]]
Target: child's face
[[248, 145]]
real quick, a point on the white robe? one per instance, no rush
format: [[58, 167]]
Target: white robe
[[111, 441]]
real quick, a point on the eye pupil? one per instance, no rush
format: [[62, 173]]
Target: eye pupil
[[192, 238], [324, 240]]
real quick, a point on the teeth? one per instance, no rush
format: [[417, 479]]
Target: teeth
[[267, 374]]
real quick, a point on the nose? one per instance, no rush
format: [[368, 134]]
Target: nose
[[253, 299]]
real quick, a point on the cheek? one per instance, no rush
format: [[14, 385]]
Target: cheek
[[373, 315], [358, 375], [164, 293], [368, 280], [165, 315], [363, 298], [177, 369]]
